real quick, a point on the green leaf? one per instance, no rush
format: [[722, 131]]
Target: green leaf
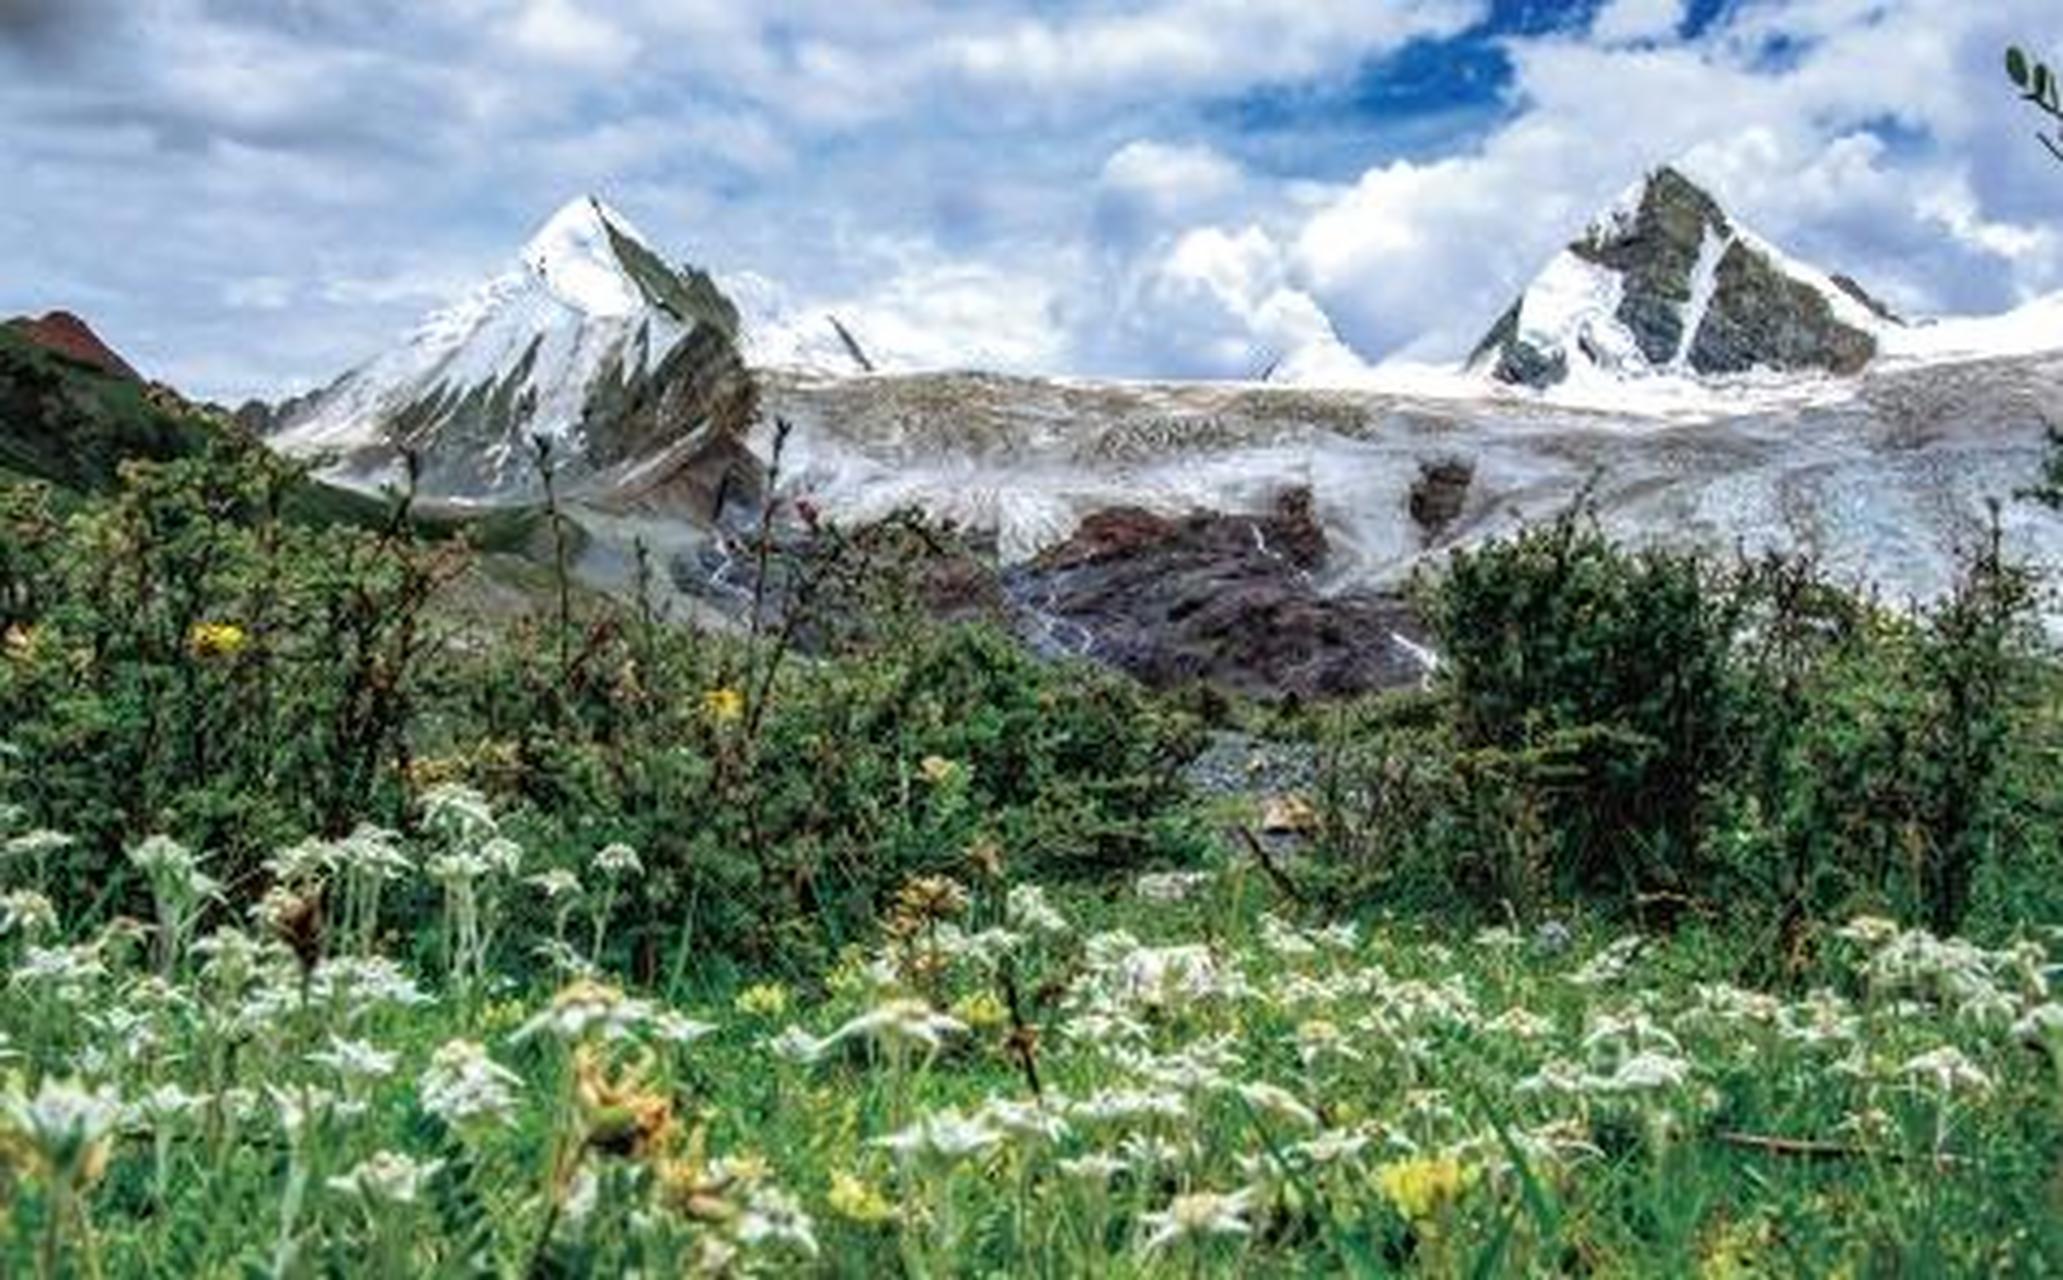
[[2016, 66]]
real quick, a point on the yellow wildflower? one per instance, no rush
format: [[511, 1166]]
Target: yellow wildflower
[[855, 1201], [1423, 1185], [216, 640], [762, 1000], [982, 1011], [724, 706], [938, 771], [625, 1116]]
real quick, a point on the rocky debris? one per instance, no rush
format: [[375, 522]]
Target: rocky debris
[[1666, 281], [1241, 764], [1223, 600], [69, 336], [1291, 814], [1440, 494]]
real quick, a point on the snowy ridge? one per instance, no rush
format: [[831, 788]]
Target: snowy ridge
[[538, 338]]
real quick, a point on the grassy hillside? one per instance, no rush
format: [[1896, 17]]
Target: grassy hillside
[[72, 425]]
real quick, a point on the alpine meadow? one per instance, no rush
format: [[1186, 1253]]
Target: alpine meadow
[[1251, 639]]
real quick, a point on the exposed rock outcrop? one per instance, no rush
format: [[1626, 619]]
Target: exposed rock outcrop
[[1666, 282], [1226, 600], [67, 335]]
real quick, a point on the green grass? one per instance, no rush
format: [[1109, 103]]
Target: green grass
[[1224, 1091]]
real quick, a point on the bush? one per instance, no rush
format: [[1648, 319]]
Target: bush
[[1638, 728], [184, 657]]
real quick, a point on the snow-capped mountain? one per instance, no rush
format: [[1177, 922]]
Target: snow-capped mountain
[[589, 340], [1665, 282]]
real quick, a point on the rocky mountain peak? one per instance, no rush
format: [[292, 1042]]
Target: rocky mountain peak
[[69, 336], [589, 340], [1665, 281]]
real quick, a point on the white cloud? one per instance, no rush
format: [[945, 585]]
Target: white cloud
[[563, 32], [1219, 304], [1030, 183], [1148, 187], [1417, 258], [1628, 21]]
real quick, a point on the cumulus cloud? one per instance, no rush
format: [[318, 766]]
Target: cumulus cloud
[[249, 195], [1625, 21], [1869, 147]]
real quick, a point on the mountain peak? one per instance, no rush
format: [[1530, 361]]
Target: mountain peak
[[71, 337], [591, 340], [1665, 281], [578, 254]]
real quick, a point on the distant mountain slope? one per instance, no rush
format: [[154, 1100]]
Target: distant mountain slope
[[69, 336], [589, 341], [71, 410], [1666, 282]]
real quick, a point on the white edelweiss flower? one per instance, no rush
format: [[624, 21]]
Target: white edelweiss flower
[[1028, 909], [2040, 1024], [355, 1060], [375, 852], [1195, 1217], [1610, 964], [162, 854], [31, 845], [1320, 1040], [364, 983], [1499, 938], [773, 1217], [946, 1135], [584, 1006], [309, 860], [65, 972], [1119, 1105], [618, 860], [1285, 940], [64, 1121], [1519, 1023], [167, 1102], [1168, 976], [26, 912], [1145, 1152], [1172, 886], [796, 1045], [1026, 1121], [502, 855], [1947, 1069], [457, 811], [453, 869], [465, 1088], [1643, 1071], [1274, 1100], [1096, 1168], [299, 1107], [555, 884], [387, 1177], [1341, 935], [678, 1028], [1555, 1076], [1990, 1008], [1870, 931], [1331, 1147], [899, 1022]]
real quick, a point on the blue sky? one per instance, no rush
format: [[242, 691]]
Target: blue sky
[[249, 196]]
